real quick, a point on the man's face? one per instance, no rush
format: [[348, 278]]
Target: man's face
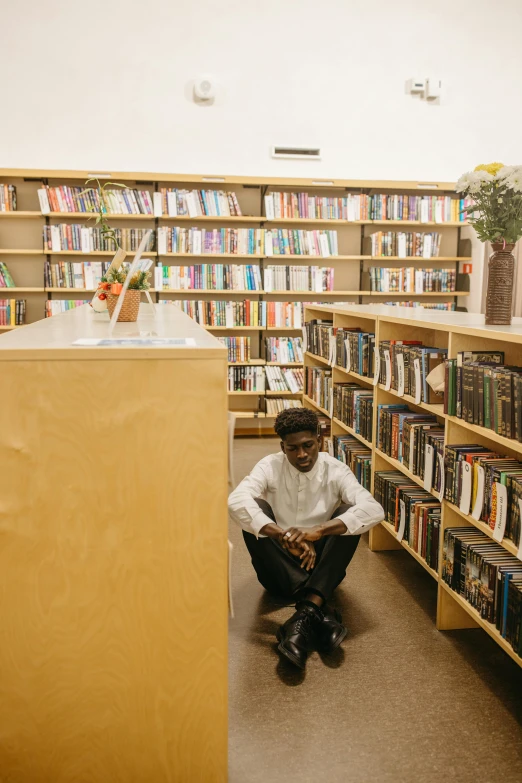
[[301, 449]]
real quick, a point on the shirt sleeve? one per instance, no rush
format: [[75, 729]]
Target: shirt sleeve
[[365, 512], [242, 506]]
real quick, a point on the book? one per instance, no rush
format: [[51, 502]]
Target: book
[[208, 277], [298, 278], [123, 201], [427, 209], [247, 241], [405, 243], [7, 198], [354, 350], [6, 280], [56, 306], [246, 378], [284, 379], [319, 386], [275, 405], [74, 274], [238, 348], [410, 280], [353, 405], [12, 312], [284, 350], [197, 203], [358, 457], [87, 239]]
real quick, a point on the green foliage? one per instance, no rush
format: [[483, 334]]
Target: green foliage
[[106, 231], [138, 282], [497, 214]]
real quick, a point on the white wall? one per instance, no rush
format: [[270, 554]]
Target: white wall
[[106, 85]]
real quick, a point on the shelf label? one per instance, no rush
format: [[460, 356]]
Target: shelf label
[[376, 365], [400, 374], [465, 491], [519, 551], [348, 354], [305, 339], [479, 499], [500, 493], [441, 473], [412, 448], [428, 467], [418, 390], [332, 351], [402, 521], [387, 364]]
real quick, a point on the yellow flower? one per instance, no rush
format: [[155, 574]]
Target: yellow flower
[[491, 168]]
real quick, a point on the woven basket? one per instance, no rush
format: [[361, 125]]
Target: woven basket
[[499, 297], [130, 307]]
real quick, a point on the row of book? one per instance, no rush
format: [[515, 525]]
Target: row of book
[[446, 306], [208, 277], [284, 349], [248, 379], [6, 280], [86, 239], [7, 198], [427, 209], [355, 350], [486, 485], [247, 241], [353, 405], [197, 203], [12, 312], [298, 278], [404, 366], [411, 280], [284, 379], [412, 511], [355, 206], [64, 198], [243, 277], [274, 405], [246, 313], [358, 457], [487, 577], [69, 274], [56, 306], [406, 243], [482, 390], [405, 435], [319, 386]]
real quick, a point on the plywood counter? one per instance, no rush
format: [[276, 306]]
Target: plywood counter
[[113, 553]]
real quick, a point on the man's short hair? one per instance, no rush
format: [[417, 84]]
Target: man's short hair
[[296, 420]]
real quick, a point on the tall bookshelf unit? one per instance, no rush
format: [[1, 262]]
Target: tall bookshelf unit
[[21, 247], [456, 331]]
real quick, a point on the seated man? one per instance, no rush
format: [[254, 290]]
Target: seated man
[[299, 536]]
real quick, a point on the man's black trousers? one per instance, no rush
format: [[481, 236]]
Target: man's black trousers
[[280, 572]]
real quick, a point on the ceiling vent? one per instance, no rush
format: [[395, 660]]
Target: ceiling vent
[[302, 153]]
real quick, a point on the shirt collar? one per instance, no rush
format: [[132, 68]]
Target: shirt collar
[[316, 470]]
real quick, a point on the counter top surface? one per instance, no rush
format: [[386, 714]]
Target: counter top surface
[[55, 337]]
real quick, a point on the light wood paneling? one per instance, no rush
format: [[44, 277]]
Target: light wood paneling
[[113, 583]]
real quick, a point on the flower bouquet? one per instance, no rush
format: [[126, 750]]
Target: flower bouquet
[[496, 214]]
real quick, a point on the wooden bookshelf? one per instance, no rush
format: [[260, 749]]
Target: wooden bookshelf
[[455, 331], [23, 228]]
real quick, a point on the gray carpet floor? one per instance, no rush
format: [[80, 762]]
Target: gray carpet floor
[[399, 702]]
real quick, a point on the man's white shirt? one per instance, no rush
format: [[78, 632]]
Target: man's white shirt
[[303, 499]]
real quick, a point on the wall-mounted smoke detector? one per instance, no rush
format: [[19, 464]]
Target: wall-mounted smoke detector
[[301, 153]]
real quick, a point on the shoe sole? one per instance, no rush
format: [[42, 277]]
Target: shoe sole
[[287, 654]]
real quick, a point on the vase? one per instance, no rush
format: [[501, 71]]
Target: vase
[[499, 297], [130, 307]]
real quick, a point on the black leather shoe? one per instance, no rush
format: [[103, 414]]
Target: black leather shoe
[[331, 631], [297, 637]]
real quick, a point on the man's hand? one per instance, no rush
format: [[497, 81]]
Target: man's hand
[[308, 555], [295, 536]]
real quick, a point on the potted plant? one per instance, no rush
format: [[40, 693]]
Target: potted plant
[[496, 214], [111, 289]]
